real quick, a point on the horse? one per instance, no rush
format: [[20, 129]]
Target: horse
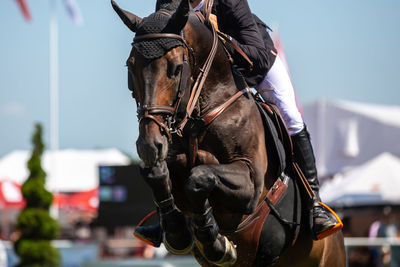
[[203, 147]]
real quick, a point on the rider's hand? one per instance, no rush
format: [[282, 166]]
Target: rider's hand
[[214, 21]]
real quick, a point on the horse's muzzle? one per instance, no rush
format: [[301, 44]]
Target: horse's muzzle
[[152, 148]]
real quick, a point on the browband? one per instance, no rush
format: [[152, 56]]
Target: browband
[[158, 35]]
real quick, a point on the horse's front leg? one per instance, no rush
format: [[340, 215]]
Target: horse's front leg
[[177, 237], [236, 187]]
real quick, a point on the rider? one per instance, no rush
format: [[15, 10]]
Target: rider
[[270, 78]]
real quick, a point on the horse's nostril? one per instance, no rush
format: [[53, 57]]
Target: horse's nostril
[[159, 146], [152, 150]]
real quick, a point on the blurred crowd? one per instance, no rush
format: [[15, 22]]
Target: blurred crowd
[[383, 234]]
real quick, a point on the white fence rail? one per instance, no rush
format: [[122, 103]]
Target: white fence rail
[[365, 241], [386, 251]]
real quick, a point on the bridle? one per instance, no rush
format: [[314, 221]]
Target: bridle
[[169, 125], [168, 112]]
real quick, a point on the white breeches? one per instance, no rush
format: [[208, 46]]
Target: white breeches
[[277, 89]]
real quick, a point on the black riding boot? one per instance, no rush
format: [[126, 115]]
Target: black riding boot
[[151, 234], [304, 156]]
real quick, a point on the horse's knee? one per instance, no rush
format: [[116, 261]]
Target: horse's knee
[[200, 183]]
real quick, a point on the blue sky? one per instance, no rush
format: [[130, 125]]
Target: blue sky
[[336, 50]]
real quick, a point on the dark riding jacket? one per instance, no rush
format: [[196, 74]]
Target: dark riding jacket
[[250, 34]]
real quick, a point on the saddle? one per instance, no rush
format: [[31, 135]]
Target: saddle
[[279, 145]]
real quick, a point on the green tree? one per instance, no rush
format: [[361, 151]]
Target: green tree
[[35, 224]]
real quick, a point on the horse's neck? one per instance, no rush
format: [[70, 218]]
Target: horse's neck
[[219, 85]]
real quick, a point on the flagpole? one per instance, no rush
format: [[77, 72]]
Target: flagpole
[[54, 101]]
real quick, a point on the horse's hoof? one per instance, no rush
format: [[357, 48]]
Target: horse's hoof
[[175, 251], [229, 257]]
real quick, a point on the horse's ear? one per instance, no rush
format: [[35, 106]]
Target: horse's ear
[[180, 18], [129, 19]]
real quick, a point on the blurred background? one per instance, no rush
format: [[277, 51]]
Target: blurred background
[[62, 64]]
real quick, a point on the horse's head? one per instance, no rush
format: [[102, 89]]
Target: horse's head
[[158, 65]]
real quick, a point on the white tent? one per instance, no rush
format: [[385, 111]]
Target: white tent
[[372, 183], [67, 170], [348, 134]]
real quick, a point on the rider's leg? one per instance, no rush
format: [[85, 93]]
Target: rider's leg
[[304, 156], [277, 88]]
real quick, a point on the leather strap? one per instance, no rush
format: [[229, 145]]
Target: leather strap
[[228, 39], [200, 16], [213, 114], [304, 181], [201, 78], [156, 109], [207, 7], [182, 84], [159, 123], [158, 35]]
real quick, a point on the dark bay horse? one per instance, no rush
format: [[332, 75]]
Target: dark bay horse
[[203, 147]]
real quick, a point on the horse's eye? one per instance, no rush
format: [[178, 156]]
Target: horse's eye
[[175, 70], [178, 70]]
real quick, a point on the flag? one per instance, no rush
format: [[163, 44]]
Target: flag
[[23, 6], [74, 11]]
